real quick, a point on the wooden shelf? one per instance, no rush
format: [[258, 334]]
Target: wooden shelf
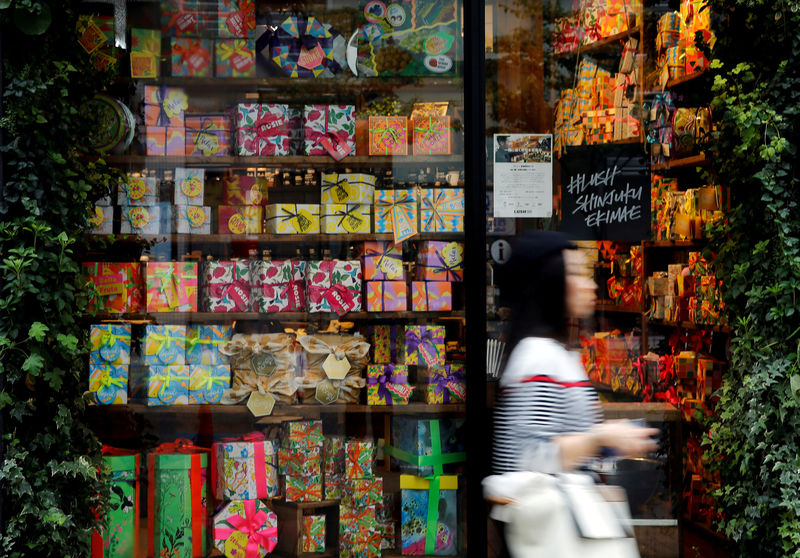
[[673, 244], [688, 78], [690, 325], [656, 411], [294, 161], [194, 239], [200, 317], [601, 44], [611, 307], [684, 162]]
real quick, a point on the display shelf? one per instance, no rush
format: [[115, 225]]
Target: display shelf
[[683, 162], [293, 161], [226, 239], [690, 325], [673, 244], [611, 307], [601, 44], [688, 78], [653, 411], [201, 317]]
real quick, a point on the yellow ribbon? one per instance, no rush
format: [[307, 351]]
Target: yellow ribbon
[[106, 380], [227, 51]]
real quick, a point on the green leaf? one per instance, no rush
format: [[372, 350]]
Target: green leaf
[[794, 382], [33, 23], [69, 342], [37, 331], [33, 364]]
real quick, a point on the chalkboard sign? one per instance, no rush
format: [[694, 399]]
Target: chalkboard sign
[[605, 192]]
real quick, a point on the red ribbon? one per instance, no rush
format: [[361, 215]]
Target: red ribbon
[[254, 525], [260, 460], [183, 20]]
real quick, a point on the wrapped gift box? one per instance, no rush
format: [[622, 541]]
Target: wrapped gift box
[[388, 342], [431, 296], [291, 218], [192, 219], [262, 129], [299, 46], [313, 534], [208, 135], [348, 188], [278, 286], [137, 190], [208, 382], [440, 261], [145, 53], [303, 434], [388, 135], [171, 286], [359, 459], [163, 141], [191, 57], [165, 106], [245, 528], [359, 532], [203, 343], [387, 384], [110, 343], [397, 212], [137, 219], [334, 488], [101, 220], [440, 537], [300, 462], [363, 492], [226, 286], [424, 345], [432, 135], [416, 440], [387, 296], [240, 219], [244, 190], [246, 468], [383, 261], [303, 489], [235, 58], [348, 350], [334, 286], [340, 218], [445, 384], [108, 382], [122, 523], [189, 186], [115, 287], [164, 345], [264, 363], [442, 210], [329, 130], [185, 17], [333, 457], [167, 385], [237, 18]]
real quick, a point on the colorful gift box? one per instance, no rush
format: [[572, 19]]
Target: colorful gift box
[[331, 367], [226, 286], [108, 383], [363, 492], [208, 135], [387, 296], [167, 385], [355, 519], [189, 186], [245, 468], [445, 384], [165, 106], [313, 534], [137, 190], [240, 219], [278, 286], [303, 489], [431, 296], [183, 17], [424, 529], [171, 286], [340, 218], [101, 220], [122, 523], [300, 462], [359, 532], [334, 286], [237, 18], [334, 488], [442, 210], [244, 190], [115, 287], [359, 459], [333, 457], [427, 447], [432, 135], [208, 382], [145, 53], [203, 343], [110, 343], [246, 528], [291, 218], [425, 345], [191, 57], [348, 188], [388, 342], [397, 211], [388, 135], [440, 261], [329, 130], [192, 219], [164, 345], [387, 384], [163, 141], [382, 261], [137, 219], [235, 58], [262, 129], [303, 434], [177, 498], [300, 46]]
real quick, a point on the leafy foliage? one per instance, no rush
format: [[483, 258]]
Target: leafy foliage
[[49, 470], [753, 438]]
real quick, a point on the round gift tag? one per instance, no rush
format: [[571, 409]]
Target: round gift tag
[[395, 15], [139, 217], [375, 11], [96, 217], [196, 216], [236, 545], [192, 187], [111, 353], [236, 224], [136, 188], [438, 64]]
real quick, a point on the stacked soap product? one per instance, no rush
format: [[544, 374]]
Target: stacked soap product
[[333, 286], [313, 533], [626, 92], [191, 216], [698, 376], [115, 288], [670, 49], [300, 460], [346, 203], [624, 284], [439, 264], [278, 285], [442, 210], [684, 214], [165, 121], [659, 126], [226, 286], [387, 520], [235, 57], [209, 367], [659, 205], [567, 128], [171, 286], [438, 381], [265, 363], [121, 534], [696, 34], [610, 360], [96, 36], [333, 367], [359, 531], [333, 467], [165, 357], [388, 135], [140, 212], [191, 56], [109, 363]]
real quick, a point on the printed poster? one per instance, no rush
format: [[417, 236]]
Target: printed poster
[[523, 175]]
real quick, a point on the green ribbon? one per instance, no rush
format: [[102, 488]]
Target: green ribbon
[[110, 339], [432, 523], [165, 340], [208, 382], [164, 378], [106, 380], [387, 130], [195, 339]]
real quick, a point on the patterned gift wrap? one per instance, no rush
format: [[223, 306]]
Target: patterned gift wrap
[[262, 129], [348, 188], [203, 344], [382, 261], [245, 528], [388, 135], [313, 534], [177, 497], [696, 61], [240, 219], [245, 468], [208, 382], [278, 286], [432, 135], [303, 434], [167, 385], [334, 488], [355, 519], [122, 524], [397, 211], [427, 447], [208, 135], [226, 286], [185, 17], [388, 535], [387, 296], [333, 457], [191, 57], [108, 383], [613, 24], [389, 343], [317, 349], [303, 489], [424, 529], [387, 384], [137, 219], [334, 286], [424, 345], [290, 218], [235, 58], [265, 363], [165, 106], [110, 343], [244, 190], [237, 18], [329, 130], [668, 31], [171, 286], [431, 296], [163, 141], [137, 190], [145, 53], [300, 462], [359, 492], [442, 210], [101, 220], [189, 186], [192, 219], [440, 261], [340, 218], [359, 532], [164, 345], [445, 384], [359, 459], [115, 287], [302, 47], [585, 87]]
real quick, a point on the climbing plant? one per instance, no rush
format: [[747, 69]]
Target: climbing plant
[[753, 439], [49, 468]]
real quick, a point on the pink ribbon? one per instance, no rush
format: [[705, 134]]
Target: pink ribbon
[[253, 524]]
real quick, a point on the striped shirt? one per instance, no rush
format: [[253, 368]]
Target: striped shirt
[[544, 393]]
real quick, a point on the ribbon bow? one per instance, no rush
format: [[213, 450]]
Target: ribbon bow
[[254, 525], [425, 343], [451, 272], [333, 142], [357, 461], [110, 339], [387, 252], [161, 97], [406, 202], [384, 381], [106, 380], [433, 139], [387, 130], [183, 19], [447, 382], [190, 53], [165, 339], [439, 210], [351, 213]]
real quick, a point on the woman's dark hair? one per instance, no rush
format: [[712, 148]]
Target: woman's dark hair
[[536, 286]]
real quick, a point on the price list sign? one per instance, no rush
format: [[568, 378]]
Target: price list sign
[[523, 175]]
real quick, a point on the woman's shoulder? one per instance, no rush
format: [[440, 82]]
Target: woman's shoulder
[[542, 356]]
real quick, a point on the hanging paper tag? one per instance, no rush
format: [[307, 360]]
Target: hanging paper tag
[[403, 226], [391, 267], [264, 364], [302, 221], [261, 405], [452, 254], [310, 59], [237, 224], [136, 188], [143, 65], [185, 22], [207, 143], [338, 151], [97, 217], [327, 392], [192, 187], [236, 544], [176, 102], [335, 368], [196, 216], [139, 217]]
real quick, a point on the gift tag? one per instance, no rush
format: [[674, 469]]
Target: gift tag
[[452, 254], [391, 267], [192, 187], [264, 364], [261, 405], [236, 544], [335, 368], [136, 188], [237, 224], [96, 217], [327, 392], [196, 216], [207, 143], [110, 284], [111, 352], [310, 59]]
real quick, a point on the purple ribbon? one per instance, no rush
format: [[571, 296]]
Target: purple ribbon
[[389, 377], [445, 380], [163, 117], [414, 342], [444, 268]]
